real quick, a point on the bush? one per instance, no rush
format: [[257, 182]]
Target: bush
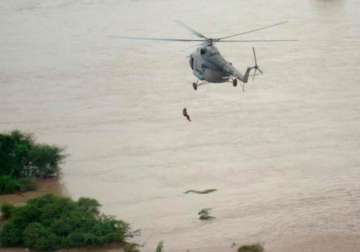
[[50, 223], [159, 247], [7, 210], [204, 214], [26, 184], [251, 248], [10, 236], [22, 159], [37, 236], [131, 247], [9, 184], [89, 205], [43, 161]]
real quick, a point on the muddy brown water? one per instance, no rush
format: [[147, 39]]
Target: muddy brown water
[[284, 155]]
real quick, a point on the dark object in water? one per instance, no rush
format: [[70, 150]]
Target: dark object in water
[[160, 247], [185, 113], [205, 214], [201, 192], [251, 248]]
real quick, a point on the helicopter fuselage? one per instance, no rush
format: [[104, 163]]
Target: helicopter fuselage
[[209, 65]]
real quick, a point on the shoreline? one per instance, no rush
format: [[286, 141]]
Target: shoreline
[[43, 186]]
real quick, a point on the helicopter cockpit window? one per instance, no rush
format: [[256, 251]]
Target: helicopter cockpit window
[[202, 51]]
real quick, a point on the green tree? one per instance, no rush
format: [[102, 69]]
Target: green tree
[[22, 159], [51, 222]]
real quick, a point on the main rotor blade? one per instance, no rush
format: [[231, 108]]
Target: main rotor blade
[[196, 33], [160, 39], [254, 30], [256, 40]]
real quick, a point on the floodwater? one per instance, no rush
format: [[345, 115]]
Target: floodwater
[[284, 155]]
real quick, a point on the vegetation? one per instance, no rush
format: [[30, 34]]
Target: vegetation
[[10, 184], [204, 214], [7, 210], [160, 247], [22, 160], [251, 248], [50, 222], [131, 247]]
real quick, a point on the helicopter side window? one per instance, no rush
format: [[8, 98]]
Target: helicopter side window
[[202, 51]]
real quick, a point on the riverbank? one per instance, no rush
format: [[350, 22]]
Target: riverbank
[[43, 186]]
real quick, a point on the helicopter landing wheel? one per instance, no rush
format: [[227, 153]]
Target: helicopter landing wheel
[[234, 82], [195, 86]]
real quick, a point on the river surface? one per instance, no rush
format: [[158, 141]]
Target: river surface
[[284, 155]]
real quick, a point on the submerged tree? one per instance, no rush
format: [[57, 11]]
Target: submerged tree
[[159, 247], [204, 214], [251, 248]]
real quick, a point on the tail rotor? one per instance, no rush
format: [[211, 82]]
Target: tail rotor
[[256, 66]]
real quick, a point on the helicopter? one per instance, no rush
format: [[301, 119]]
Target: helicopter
[[207, 63]]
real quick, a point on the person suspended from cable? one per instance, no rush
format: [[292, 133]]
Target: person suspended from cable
[[185, 113]]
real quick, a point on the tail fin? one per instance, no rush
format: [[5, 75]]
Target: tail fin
[[247, 74], [245, 78]]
